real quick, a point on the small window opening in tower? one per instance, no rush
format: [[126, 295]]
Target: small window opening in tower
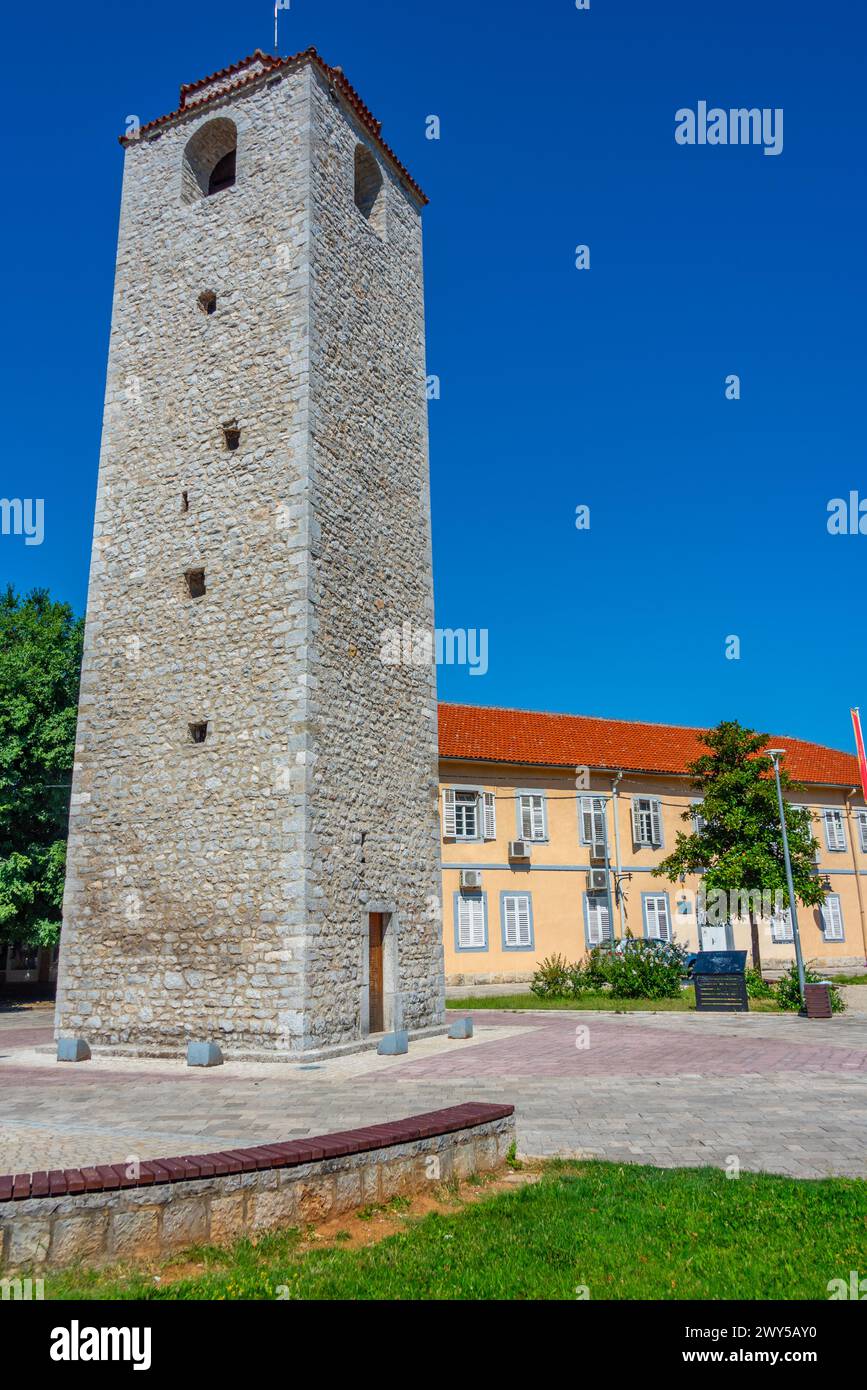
[[195, 581], [369, 189], [231, 434], [209, 162], [223, 173], [185, 501], [208, 302], [198, 732]]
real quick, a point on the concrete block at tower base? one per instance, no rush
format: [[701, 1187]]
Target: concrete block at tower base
[[72, 1050], [461, 1028], [204, 1054], [393, 1044]]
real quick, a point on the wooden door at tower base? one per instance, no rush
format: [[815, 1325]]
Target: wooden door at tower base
[[376, 1017]]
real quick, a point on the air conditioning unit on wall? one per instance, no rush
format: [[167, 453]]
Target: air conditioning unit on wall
[[597, 880], [471, 878], [519, 849]]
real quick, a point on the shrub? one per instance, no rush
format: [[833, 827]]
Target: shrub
[[596, 968], [788, 990], [551, 978], [646, 970], [757, 986]]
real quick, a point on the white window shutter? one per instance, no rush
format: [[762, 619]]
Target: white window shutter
[[490, 809], [636, 821], [464, 922], [524, 920], [598, 925], [449, 823], [510, 923], [478, 922], [835, 835], [537, 817], [656, 915], [471, 922], [832, 919], [587, 820], [650, 918], [862, 830], [593, 924], [781, 926], [656, 822]]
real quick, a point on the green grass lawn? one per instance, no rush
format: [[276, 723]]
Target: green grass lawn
[[624, 1231], [682, 1004]]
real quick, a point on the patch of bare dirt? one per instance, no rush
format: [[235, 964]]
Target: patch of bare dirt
[[369, 1225]]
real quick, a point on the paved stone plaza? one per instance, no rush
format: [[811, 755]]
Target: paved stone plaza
[[779, 1092]]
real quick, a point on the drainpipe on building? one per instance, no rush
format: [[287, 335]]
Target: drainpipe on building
[[618, 865], [852, 828]]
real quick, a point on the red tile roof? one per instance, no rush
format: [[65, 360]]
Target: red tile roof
[[574, 740], [268, 62]]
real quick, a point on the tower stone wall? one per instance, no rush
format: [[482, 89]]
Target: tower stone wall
[[221, 889]]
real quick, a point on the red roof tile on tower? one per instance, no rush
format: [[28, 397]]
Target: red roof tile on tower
[[573, 740]]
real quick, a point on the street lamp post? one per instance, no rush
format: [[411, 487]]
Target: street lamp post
[[775, 754]]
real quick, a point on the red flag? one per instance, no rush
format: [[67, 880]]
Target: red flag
[[859, 744]]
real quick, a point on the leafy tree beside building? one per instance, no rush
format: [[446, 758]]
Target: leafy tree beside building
[[735, 844], [40, 661]]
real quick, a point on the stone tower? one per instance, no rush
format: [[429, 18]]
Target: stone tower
[[254, 845]]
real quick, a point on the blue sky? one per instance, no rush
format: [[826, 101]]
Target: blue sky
[[602, 387]]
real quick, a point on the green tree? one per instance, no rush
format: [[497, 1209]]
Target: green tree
[[737, 845], [40, 662]]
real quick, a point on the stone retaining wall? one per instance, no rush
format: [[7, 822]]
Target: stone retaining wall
[[104, 1215]]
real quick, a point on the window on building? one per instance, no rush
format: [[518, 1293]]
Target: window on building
[[209, 161], [369, 189], [517, 921], [781, 926], [469, 814], [199, 732], [647, 821], [835, 830], [698, 820], [223, 173], [597, 918], [832, 918], [471, 927], [231, 435], [657, 922], [531, 816], [207, 302], [861, 818], [593, 829]]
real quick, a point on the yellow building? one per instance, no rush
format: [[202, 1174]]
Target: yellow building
[[552, 824]]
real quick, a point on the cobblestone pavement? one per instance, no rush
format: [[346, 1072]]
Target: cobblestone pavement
[[777, 1092]]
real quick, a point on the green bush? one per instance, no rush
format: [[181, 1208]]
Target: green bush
[[551, 978], [788, 990], [596, 968], [757, 986], [557, 978], [646, 970]]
